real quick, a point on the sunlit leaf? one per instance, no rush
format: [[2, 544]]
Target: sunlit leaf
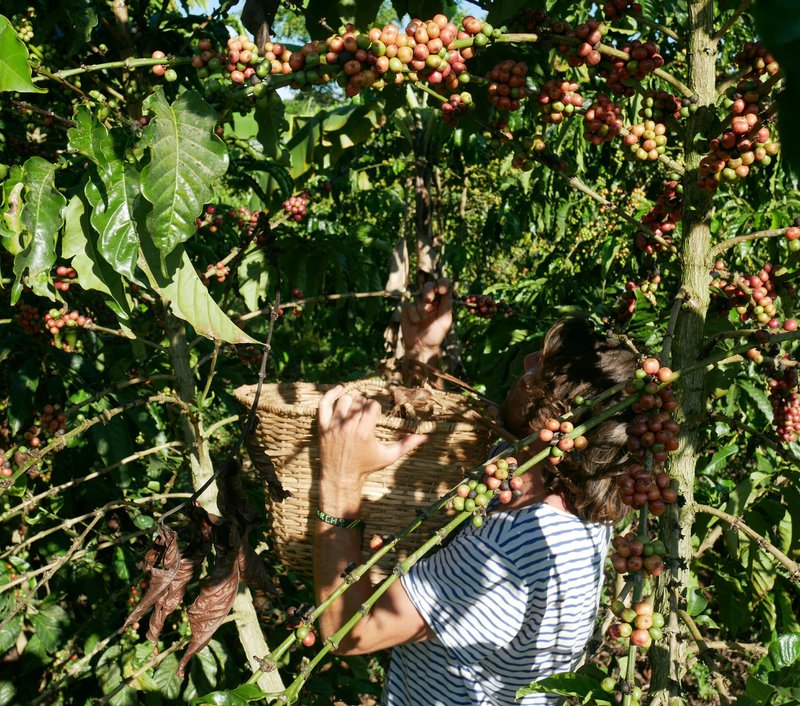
[[15, 73]]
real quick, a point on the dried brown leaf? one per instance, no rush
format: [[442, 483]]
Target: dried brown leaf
[[263, 464], [232, 498], [172, 597], [257, 17], [217, 593], [168, 554], [254, 572]]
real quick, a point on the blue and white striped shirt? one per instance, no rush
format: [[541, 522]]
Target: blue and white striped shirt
[[510, 602]]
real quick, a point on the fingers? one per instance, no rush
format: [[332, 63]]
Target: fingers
[[411, 312], [445, 292], [325, 409], [406, 445]]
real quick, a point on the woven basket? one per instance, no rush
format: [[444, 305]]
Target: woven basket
[[459, 438]]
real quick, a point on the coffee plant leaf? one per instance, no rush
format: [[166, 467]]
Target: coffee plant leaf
[[270, 116], [10, 210], [79, 244], [217, 593], [169, 683], [186, 157], [22, 395], [576, 685], [172, 597], [9, 633], [241, 696], [253, 278], [783, 653], [48, 624], [7, 693], [112, 191], [190, 300], [15, 72], [42, 217]]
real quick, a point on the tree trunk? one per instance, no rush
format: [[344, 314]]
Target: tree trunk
[[250, 635], [669, 658]]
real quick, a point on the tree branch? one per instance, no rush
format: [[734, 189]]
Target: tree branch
[[736, 525], [720, 682], [720, 248], [732, 20]]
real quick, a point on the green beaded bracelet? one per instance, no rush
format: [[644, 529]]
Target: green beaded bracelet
[[347, 523]]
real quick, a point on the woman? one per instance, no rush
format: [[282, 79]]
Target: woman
[[504, 604]]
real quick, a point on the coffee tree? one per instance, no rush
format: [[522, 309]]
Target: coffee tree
[[187, 205]]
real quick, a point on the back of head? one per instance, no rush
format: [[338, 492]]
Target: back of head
[[576, 360]]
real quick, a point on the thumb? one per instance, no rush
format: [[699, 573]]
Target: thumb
[[405, 446]]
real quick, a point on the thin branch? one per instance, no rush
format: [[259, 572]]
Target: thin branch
[[60, 442], [209, 432], [658, 26], [328, 297], [720, 682], [764, 440], [720, 248], [59, 79], [121, 334], [737, 525], [732, 20], [55, 490], [48, 574], [67, 524], [24, 105], [118, 386]]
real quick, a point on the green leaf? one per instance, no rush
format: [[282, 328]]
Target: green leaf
[[42, 216], [112, 191], [581, 686], [253, 278], [241, 696], [10, 211], [7, 692], [759, 397], [48, 624], [9, 633], [185, 158], [166, 676], [188, 297], [719, 457], [22, 391], [94, 272], [15, 73], [269, 114]]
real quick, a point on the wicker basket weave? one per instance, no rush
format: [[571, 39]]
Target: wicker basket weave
[[287, 431]]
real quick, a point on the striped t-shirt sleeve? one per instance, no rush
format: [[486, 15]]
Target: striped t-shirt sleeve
[[471, 596]]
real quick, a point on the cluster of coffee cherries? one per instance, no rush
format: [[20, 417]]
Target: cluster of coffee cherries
[[638, 486], [385, 56], [29, 319], [557, 99], [498, 480], [782, 382], [556, 434], [50, 423], [296, 207], [589, 34], [652, 431], [525, 151], [65, 274], [623, 75], [484, 307], [55, 320], [647, 140], [757, 60], [219, 271], [615, 9], [734, 153], [619, 689], [211, 219], [661, 219], [164, 70], [634, 553], [758, 303], [507, 84], [456, 106], [305, 636], [639, 624], [647, 285], [793, 236], [602, 121]]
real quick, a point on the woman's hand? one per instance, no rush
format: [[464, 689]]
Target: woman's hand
[[349, 449], [426, 320]]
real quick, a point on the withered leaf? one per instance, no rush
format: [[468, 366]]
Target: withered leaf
[[169, 600], [167, 552], [217, 593], [263, 464], [232, 498], [254, 572], [257, 17]]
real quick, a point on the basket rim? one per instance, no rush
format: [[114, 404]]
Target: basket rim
[[246, 393]]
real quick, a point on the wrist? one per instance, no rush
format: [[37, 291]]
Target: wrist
[[340, 499]]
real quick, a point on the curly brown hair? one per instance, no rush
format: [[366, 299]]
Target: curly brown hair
[[576, 360]]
